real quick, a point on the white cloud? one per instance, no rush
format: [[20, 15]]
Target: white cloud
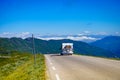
[[102, 33], [77, 38], [21, 35], [81, 38], [87, 32], [51, 38], [24, 35], [80, 34], [117, 33], [7, 33]]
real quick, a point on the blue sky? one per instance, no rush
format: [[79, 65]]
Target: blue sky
[[60, 16]]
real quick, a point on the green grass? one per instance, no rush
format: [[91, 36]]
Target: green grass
[[21, 67]]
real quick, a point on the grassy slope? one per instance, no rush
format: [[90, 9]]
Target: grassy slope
[[21, 67], [51, 46]]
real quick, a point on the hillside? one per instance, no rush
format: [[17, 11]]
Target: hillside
[[52, 46], [20, 66], [111, 43], [15, 44]]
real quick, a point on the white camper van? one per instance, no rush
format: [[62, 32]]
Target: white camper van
[[67, 48]]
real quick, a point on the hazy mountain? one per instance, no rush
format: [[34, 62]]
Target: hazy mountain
[[76, 37], [79, 37], [14, 44], [52, 46], [111, 43]]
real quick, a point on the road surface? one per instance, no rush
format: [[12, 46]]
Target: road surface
[[78, 67]]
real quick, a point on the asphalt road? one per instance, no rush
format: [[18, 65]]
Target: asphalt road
[[77, 67]]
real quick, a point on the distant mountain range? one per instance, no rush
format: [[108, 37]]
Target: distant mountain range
[[111, 43], [85, 37], [53, 46], [79, 37]]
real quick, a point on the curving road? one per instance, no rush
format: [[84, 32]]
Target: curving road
[[78, 67]]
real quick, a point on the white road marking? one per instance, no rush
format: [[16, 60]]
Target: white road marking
[[57, 77], [49, 60], [53, 68], [51, 63]]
